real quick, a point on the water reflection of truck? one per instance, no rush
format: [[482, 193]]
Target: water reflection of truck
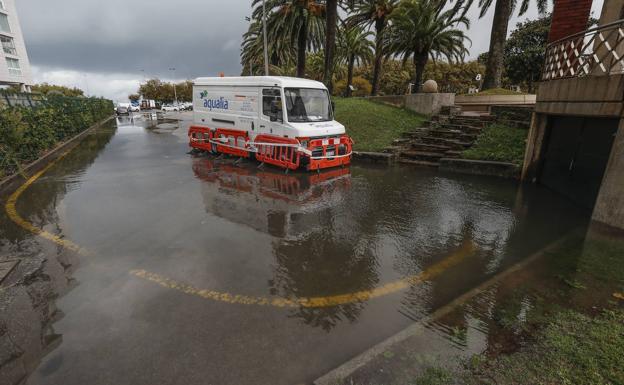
[[269, 201], [286, 122]]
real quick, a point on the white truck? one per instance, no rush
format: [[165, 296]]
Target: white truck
[[286, 122]]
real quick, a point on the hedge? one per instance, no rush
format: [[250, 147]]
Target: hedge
[[27, 133]]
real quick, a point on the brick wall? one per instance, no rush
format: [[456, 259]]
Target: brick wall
[[569, 17]]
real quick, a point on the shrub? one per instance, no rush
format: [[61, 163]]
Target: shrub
[[27, 133], [361, 85]]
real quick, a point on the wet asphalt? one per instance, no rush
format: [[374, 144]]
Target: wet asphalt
[[212, 233]]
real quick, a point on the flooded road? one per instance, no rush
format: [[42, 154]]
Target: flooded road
[[198, 270]]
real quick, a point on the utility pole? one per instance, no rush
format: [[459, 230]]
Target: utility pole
[[264, 32], [175, 94]]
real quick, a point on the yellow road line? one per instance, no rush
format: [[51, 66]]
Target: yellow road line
[[15, 217], [466, 249]]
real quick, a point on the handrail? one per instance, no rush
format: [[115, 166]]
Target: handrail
[[597, 51]]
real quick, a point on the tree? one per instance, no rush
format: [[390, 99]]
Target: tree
[[45, 88], [525, 50], [293, 27], [502, 13], [134, 97], [355, 47], [376, 13], [421, 29], [331, 24]]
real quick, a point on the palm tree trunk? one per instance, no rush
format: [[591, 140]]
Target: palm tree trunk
[[420, 61], [302, 42], [495, 62], [380, 25], [331, 17], [349, 75]]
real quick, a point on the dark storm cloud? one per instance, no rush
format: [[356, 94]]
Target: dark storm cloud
[[197, 37]]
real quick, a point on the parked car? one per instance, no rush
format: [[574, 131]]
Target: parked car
[[170, 107], [123, 109], [134, 107]]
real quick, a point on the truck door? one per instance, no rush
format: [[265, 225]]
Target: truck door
[[269, 95]]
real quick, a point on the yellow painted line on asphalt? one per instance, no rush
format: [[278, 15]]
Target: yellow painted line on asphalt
[[15, 217], [467, 249]]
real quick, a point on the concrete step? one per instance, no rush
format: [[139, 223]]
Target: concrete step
[[453, 154], [418, 162], [453, 134], [422, 155], [429, 147], [461, 127], [452, 143]]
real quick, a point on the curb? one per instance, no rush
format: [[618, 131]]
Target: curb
[[337, 375], [48, 156], [376, 157]]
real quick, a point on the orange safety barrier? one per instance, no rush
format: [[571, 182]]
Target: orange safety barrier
[[277, 151], [234, 142], [200, 137], [330, 152]]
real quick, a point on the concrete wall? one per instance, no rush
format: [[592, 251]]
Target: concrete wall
[[597, 96], [426, 104], [609, 207]]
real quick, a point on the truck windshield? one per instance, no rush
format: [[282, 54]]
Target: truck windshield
[[307, 105]]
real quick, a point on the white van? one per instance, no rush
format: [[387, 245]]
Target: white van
[[287, 122]]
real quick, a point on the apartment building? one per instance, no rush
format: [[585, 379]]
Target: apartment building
[[14, 64]]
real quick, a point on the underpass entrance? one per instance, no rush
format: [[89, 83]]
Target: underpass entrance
[[576, 156]]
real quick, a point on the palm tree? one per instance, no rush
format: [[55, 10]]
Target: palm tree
[[375, 13], [498, 36], [331, 23], [293, 27], [354, 46], [424, 28]]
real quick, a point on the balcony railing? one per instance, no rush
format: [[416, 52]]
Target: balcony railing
[[597, 51]]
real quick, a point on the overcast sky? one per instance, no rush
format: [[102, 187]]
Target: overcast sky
[[108, 47]]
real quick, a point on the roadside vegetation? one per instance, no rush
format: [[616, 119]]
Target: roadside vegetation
[[499, 143], [373, 126], [27, 133], [573, 332]]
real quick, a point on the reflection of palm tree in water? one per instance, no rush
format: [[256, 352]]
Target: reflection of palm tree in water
[[322, 264]]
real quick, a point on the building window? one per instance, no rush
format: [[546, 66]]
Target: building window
[[4, 23], [8, 45], [14, 67]]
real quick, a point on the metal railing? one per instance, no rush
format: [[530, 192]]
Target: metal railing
[[597, 51]]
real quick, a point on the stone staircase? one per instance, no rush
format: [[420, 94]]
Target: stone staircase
[[444, 136]]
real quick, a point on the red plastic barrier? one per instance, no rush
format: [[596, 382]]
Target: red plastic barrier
[[199, 137], [341, 147], [234, 142], [282, 154]]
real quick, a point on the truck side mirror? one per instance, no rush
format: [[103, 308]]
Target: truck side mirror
[[333, 106]]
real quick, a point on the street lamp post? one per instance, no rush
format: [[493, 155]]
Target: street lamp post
[[175, 94], [264, 32]]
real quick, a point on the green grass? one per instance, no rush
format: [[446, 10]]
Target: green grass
[[572, 349], [499, 143], [496, 91], [374, 126]]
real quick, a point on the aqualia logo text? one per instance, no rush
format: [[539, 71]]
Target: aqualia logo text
[[219, 104]]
